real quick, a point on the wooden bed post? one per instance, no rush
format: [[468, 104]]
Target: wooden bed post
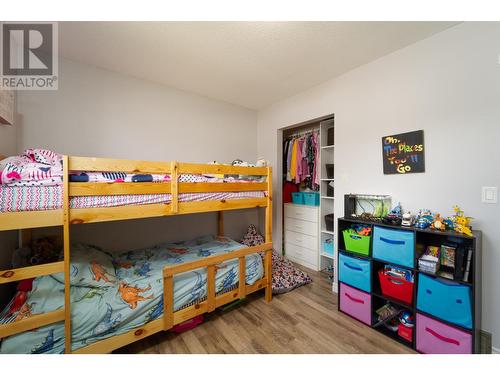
[[67, 260], [174, 185], [220, 222], [168, 300], [268, 260]]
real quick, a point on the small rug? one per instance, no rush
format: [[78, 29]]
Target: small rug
[[286, 276]]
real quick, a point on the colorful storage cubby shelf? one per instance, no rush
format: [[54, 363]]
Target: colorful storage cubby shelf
[[446, 313]]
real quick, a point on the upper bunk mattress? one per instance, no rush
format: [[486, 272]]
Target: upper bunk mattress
[[40, 198]]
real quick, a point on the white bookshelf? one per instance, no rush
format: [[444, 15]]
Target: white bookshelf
[[327, 156]]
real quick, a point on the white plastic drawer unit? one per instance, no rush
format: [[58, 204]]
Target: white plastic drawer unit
[[301, 234], [301, 226], [301, 212], [301, 255], [304, 240]]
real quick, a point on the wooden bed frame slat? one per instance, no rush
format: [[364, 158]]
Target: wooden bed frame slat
[[222, 205], [175, 187], [35, 321], [86, 164], [189, 168], [67, 260], [17, 274], [96, 215], [199, 187], [215, 259], [242, 277], [82, 189], [30, 219]]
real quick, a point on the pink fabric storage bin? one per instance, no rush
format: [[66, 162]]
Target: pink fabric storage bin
[[434, 337], [355, 303]]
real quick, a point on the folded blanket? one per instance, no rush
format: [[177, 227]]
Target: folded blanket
[[35, 167]]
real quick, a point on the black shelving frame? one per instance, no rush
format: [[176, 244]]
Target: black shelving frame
[[424, 237]]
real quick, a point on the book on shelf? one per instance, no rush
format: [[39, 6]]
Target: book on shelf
[[447, 259]]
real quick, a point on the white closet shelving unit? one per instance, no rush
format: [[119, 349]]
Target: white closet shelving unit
[[326, 262]]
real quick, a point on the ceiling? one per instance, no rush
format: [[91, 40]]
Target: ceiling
[[251, 64]]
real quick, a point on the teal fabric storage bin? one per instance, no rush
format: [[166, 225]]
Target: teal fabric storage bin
[[328, 246], [394, 246], [446, 300], [355, 272], [297, 198], [311, 198]]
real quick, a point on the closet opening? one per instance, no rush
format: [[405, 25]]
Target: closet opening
[[306, 165]]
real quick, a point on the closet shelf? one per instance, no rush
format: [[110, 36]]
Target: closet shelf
[[327, 197], [327, 147], [327, 232], [327, 179]]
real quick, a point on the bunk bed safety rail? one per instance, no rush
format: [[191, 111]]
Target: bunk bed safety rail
[[171, 318]]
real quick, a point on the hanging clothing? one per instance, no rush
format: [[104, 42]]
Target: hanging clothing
[[289, 160], [288, 189], [298, 167], [293, 161], [301, 160], [316, 159]]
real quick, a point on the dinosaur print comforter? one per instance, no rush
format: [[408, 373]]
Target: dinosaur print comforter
[[114, 293]]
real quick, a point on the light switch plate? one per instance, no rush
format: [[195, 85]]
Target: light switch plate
[[489, 194]]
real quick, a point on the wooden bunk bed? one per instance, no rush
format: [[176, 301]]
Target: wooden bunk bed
[[67, 216]]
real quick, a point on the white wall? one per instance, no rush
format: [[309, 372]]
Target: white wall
[[99, 113], [448, 85], [7, 140]]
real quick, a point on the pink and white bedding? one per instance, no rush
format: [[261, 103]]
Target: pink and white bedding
[[39, 198], [35, 167], [33, 182]]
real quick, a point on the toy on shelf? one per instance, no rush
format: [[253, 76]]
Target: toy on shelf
[[395, 216], [424, 219], [406, 324], [387, 315], [407, 220], [362, 230], [438, 223], [429, 261], [461, 223]]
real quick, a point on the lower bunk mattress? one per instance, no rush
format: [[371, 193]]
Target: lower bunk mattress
[[114, 293], [40, 198]]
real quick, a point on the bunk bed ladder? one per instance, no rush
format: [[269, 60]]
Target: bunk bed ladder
[[26, 321]]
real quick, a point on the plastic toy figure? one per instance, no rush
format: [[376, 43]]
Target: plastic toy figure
[[407, 220], [394, 217], [424, 219], [461, 222], [438, 223]]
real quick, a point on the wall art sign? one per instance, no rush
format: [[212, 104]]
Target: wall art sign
[[404, 153]]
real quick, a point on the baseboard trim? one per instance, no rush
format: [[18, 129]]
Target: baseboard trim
[[495, 350]]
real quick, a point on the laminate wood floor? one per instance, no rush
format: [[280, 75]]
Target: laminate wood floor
[[305, 320]]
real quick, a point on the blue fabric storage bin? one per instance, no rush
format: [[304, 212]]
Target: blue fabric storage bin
[[297, 198], [328, 246], [446, 300], [311, 198], [394, 246], [355, 272]]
